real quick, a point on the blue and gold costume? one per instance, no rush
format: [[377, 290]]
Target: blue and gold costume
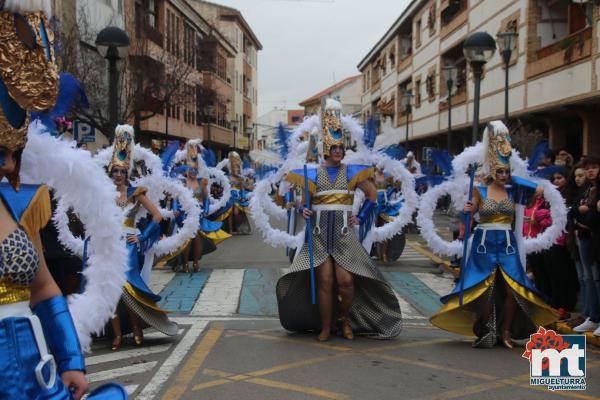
[[493, 269]]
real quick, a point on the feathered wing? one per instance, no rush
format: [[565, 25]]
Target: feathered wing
[[537, 154]]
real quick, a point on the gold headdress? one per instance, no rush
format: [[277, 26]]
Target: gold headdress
[[192, 153], [496, 140], [123, 147], [27, 73], [235, 163], [331, 123]]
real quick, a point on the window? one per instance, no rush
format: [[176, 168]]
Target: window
[[431, 18], [169, 30], [453, 56], [452, 9], [430, 84], [417, 92], [418, 33], [152, 13]]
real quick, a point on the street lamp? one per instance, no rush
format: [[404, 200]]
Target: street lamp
[[450, 73], [234, 126], [478, 50], [113, 44], [507, 42], [407, 105]]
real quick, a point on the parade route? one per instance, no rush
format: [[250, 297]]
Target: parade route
[[231, 344]]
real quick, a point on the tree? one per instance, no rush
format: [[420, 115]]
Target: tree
[[151, 79]]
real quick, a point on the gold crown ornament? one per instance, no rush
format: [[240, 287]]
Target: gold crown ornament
[[497, 147], [192, 153], [123, 148], [235, 163], [28, 73], [331, 124]]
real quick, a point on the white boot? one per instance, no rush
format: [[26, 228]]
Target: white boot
[[587, 326], [597, 332]]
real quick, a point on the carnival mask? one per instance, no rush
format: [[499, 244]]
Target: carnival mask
[[499, 148]]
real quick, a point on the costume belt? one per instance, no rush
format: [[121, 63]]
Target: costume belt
[[384, 194], [507, 228], [331, 207], [22, 310]]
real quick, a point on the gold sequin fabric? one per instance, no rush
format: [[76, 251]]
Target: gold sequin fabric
[[31, 79], [18, 258], [375, 311]]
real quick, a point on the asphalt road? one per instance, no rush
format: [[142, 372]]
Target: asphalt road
[[231, 345]]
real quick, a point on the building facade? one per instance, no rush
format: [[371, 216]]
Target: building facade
[[269, 122], [347, 91], [231, 23], [553, 72]]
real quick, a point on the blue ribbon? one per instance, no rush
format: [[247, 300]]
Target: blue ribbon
[[83, 281], [309, 239]]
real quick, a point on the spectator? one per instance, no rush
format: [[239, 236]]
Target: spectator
[[548, 158], [537, 219], [558, 262], [587, 222], [564, 158]]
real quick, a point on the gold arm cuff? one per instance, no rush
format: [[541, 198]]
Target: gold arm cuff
[[298, 180]]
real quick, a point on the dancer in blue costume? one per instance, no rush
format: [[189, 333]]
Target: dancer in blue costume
[[41, 353], [138, 300], [237, 207], [209, 232], [344, 270], [387, 209], [499, 301]]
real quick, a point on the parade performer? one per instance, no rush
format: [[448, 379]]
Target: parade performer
[[236, 210], [209, 232], [388, 207], [494, 299], [368, 305], [40, 346], [138, 300]]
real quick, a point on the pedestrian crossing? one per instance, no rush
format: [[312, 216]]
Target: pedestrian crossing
[[251, 292], [196, 299]]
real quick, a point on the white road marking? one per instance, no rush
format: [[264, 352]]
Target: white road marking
[[131, 388], [125, 354], [408, 311], [221, 293], [114, 373], [159, 335], [160, 278], [441, 284], [172, 362]]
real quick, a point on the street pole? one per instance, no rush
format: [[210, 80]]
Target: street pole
[[408, 111], [449, 139], [506, 91], [113, 83], [477, 72]]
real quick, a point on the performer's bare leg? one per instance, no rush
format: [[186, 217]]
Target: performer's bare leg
[[230, 221], [325, 297], [197, 248], [116, 327], [236, 219], [384, 255], [510, 308], [345, 282], [186, 257], [138, 333]]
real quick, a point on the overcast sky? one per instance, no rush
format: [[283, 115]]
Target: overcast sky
[[310, 44]]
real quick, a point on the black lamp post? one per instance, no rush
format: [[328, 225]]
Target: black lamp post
[[450, 73], [478, 50], [407, 104], [234, 127], [113, 44], [507, 42]]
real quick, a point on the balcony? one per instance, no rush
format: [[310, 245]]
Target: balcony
[[218, 135], [247, 69], [572, 48], [458, 15], [153, 35], [405, 63], [458, 98], [212, 81], [247, 107]]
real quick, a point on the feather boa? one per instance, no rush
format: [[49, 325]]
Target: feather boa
[[79, 183], [158, 186], [456, 188], [219, 177], [23, 6]]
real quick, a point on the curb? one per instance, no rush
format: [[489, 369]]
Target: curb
[[445, 264], [563, 328]]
